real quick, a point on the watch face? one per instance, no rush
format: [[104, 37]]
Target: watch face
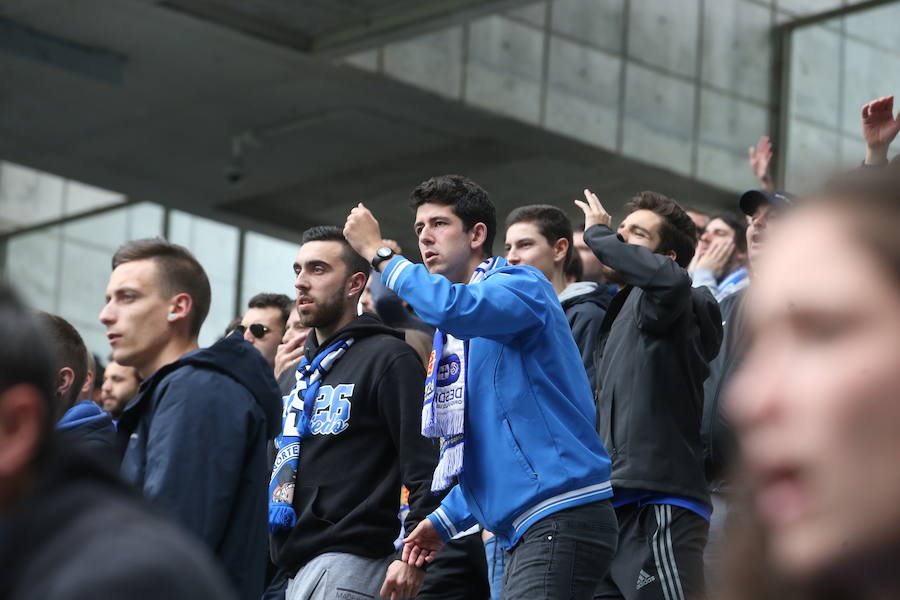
[[384, 252]]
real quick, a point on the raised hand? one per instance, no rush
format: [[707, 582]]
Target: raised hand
[[716, 256], [289, 353], [879, 128], [422, 545], [760, 159], [363, 232], [594, 213]]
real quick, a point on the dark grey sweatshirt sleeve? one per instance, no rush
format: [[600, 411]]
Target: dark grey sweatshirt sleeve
[[666, 285]]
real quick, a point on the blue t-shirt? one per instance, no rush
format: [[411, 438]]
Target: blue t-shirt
[[623, 496]]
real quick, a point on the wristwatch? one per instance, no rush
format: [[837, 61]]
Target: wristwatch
[[382, 254]]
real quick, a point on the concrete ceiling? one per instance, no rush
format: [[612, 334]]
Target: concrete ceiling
[[148, 99]]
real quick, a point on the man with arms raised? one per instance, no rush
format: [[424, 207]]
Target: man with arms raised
[[507, 396], [656, 341], [195, 437], [350, 437]]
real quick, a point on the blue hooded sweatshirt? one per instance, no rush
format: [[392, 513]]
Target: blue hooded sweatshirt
[[88, 426], [195, 443], [531, 447]]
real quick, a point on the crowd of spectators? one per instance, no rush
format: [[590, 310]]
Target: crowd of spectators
[[680, 404]]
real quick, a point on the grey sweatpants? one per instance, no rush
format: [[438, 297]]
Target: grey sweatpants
[[338, 576]]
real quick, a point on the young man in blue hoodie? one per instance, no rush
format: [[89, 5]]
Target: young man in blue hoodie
[[506, 394], [194, 437]]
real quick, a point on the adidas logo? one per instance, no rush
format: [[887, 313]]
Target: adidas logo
[[644, 578]]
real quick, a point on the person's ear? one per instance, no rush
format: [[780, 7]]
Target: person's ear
[[64, 381], [356, 283], [478, 237], [671, 254], [22, 415], [560, 250], [180, 307]]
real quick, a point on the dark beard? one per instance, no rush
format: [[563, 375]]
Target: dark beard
[[326, 313]]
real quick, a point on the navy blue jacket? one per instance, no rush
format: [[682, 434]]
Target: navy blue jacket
[[88, 426], [195, 443]]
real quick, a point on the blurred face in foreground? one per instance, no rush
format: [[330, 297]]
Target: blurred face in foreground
[[817, 402]]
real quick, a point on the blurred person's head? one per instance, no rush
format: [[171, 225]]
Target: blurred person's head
[[455, 224], [97, 369], [816, 403], [120, 384], [294, 329], [264, 322], [367, 299], [28, 388], [762, 210], [71, 360], [156, 301], [700, 219], [591, 267], [330, 277], [574, 270], [730, 227], [540, 235], [232, 325]]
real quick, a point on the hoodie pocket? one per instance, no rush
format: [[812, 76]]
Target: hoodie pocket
[[517, 450]]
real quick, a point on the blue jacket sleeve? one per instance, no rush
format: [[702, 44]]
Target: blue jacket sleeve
[[499, 307], [667, 286], [195, 451], [452, 516]]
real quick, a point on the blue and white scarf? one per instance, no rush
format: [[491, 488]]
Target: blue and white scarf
[[444, 407], [298, 407]]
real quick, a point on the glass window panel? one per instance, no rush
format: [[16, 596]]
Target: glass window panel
[[268, 266], [32, 267]]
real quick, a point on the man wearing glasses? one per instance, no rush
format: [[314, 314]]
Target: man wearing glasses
[[264, 322]]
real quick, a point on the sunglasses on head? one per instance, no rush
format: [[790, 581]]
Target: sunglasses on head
[[258, 330]]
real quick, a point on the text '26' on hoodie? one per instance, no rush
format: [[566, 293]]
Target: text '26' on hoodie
[[530, 447], [195, 444], [366, 440]]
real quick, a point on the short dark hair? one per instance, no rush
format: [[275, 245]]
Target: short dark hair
[[270, 300], [736, 222], [26, 357], [70, 352], [468, 200], [677, 232], [354, 262], [179, 273], [574, 268], [551, 222]]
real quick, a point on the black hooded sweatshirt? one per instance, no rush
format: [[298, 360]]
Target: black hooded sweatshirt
[[657, 340], [347, 495], [194, 442]]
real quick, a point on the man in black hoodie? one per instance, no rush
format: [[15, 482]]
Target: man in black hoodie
[[351, 436], [194, 438], [656, 342]]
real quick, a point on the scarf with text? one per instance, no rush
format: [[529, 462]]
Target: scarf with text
[[298, 408], [444, 407]]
